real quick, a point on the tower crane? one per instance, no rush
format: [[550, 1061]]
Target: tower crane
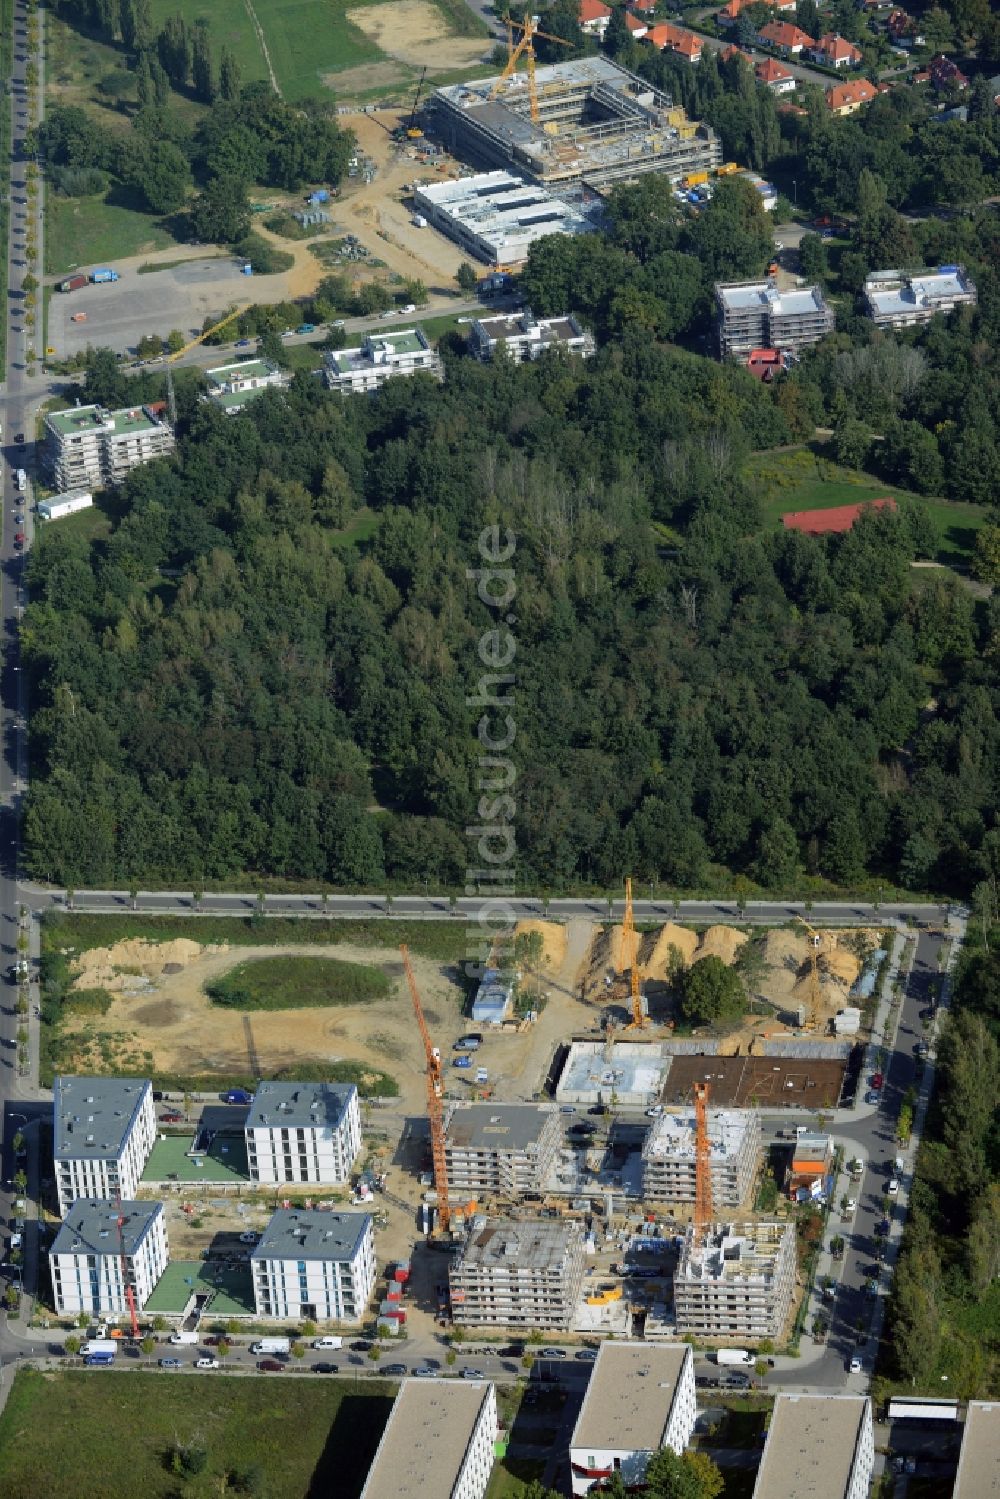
[[524, 48], [815, 992], [172, 358], [435, 1096], [123, 1261], [629, 958], [702, 1164], [412, 129]]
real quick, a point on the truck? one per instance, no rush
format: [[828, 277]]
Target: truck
[[271, 1345], [72, 283], [733, 1356], [104, 274], [100, 1347], [21, 479], [184, 1337]]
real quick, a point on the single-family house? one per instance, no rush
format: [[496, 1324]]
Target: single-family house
[[636, 26], [835, 51], [593, 18], [903, 31], [775, 76], [666, 37], [784, 37], [644, 7], [730, 13], [847, 98], [947, 74]]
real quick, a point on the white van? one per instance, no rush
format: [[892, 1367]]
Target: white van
[[184, 1337], [328, 1342]]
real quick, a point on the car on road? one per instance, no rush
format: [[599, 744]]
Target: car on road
[[882, 1227], [324, 1368], [361, 1345], [871, 1287], [893, 1187], [19, 437], [306, 328], [854, 1365], [851, 1205], [269, 1366], [553, 1353], [171, 1363], [243, 343], [586, 1356], [424, 1373], [473, 1374], [397, 1371], [213, 1340], [877, 1080], [873, 1099], [206, 1363]]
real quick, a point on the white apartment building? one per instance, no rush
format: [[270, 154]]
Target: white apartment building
[[103, 1247], [640, 1399], [234, 386], [668, 1159], [103, 1129], [314, 1264], [381, 357], [756, 315], [438, 1443], [518, 1273], [735, 1282], [818, 1447], [507, 1148], [86, 447], [898, 299], [979, 1460], [303, 1132], [523, 336]]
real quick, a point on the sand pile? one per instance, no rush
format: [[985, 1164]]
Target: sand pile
[[656, 962], [604, 957], [553, 936], [841, 965], [785, 950], [111, 968], [721, 942]]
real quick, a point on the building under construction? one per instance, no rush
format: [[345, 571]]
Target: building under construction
[[500, 1148], [734, 1281], [668, 1156], [518, 1273], [596, 124]]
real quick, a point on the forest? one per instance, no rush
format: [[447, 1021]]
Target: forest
[[265, 669]]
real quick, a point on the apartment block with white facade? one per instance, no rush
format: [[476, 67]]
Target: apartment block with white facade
[[303, 1132], [898, 299], [735, 1281], [103, 1129], [86, 447], [381, 357], [101, 1249], [523, 336], [518, 1273], [640, 1399], [439, 1441], [668, 1156], [818, 1445], [233, 386], [314, 1265]]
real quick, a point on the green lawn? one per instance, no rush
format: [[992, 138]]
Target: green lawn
[[288, 983], [231, 1287], [108, 1435], [511, 1475], [85, 231], [228, 25], [225, 1160], [364, 524]]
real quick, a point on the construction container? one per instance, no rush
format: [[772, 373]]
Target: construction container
[[72, 283]]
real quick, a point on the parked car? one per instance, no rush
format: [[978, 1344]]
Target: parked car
[[243, 343], [877, 1079], [324, 1368], [464, 1061], [423, 1372], [249, 1237], [206, 1363], [854, 1365], [172, 1118], [587, 1356], [873, 1099], [893, 1187], [397, 1371], [554, 1353], [851, 1205], [170, 1363], [473, 1374], [269, 1366], [19, 437], [655, 1111]]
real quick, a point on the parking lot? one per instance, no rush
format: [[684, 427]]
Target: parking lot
[[181, 296]]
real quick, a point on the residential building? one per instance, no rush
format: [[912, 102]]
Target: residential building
[[809, 1175], [836, 52], [523, 336], [668, 1156], [766, 364], [947, 74], [315, 1265], [382, 356], [640, 1399], [439, 1440], [755, 314], [774, 76], [103, 1129], [848, 98], [518, 1273], [102, 1250], [636, 26], [668, 38], [735, 1281], [506, 1148], [832, 522], [904, 31], [730, 12], [979, 1460], [784, 37], [818, 1447], [898, 299], [303, 1132], [593, 18], [234, 386], [86, 447], [644, 7]]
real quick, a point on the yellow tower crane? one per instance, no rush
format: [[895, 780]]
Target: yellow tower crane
[[629, 959], [435, 1101], [815, 987], [172, 358], [524, 48]]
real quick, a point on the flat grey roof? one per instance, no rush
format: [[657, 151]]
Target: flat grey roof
[[762, 294], [91, 1226], [299, 1105], [810, 1447], [309, 1234], [91, 1116], [671, 1137], [923, 289], [425, 1439], [522, 1244], [630, 1396], [496, 1126], [978, 1475]]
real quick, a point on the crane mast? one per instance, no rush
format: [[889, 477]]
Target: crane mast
[[123, 1261], [702, 1163], [524, 48], [435, 1096], [629, 957]]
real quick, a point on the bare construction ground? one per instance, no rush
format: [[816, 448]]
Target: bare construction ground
[[745, 1082], [410, 30]]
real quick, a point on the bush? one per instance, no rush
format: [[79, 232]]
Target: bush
[[265, 259], [78, 182]]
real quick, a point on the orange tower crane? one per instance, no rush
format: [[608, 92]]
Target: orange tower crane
[[702, 1163], [435, 1097], [126, 1282], [629, 958]]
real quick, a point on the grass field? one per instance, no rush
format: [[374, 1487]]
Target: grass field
[[799, 480], [104, 1435], [83, 231], [289, 983], [512, 1475]]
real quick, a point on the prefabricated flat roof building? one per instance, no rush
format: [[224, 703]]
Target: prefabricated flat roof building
[[59, 505], [818, 1447], [103, 1129], [438, 1443], [103, 1247], [755, 314], [668, 1161], [518, 1273], [303, 1132], [736, 1281], [503, 1148], [496, 216], [978, 1475], [641, 1398], [898, 299], [315, 1265], [598, 124]]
